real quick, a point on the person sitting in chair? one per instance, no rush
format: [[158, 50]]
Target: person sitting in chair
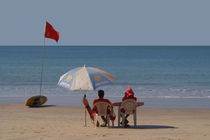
[[129, 94], [101, 99]]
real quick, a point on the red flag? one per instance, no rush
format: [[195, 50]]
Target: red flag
[[51, 33]]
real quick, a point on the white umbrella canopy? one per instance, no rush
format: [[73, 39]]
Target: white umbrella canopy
[[85, 78]]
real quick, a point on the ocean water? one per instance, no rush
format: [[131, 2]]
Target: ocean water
[[157, 72]]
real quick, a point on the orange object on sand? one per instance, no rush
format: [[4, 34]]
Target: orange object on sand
[[87, 108]]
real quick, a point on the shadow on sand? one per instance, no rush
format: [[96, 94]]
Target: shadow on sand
[[42, 106], [147, 127]]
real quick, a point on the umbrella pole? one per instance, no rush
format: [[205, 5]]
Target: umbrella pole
[[85, 111]]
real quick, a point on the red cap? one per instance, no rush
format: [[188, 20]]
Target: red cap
[[129, 92]]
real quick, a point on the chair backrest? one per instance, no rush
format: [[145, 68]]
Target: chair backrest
[[129, 106], [102, 108]]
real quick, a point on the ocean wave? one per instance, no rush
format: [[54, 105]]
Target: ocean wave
[[110, 91]]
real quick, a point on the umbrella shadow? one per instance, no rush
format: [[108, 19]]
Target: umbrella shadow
[[147, 127], [42, 106]]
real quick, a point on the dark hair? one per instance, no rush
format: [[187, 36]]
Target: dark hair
[[101, 94]]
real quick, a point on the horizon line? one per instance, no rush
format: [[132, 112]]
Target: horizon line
[[112, 45]]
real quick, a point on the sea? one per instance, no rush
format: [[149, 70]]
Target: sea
[[160, 76]]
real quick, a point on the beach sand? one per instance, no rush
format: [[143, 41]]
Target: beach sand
[[18, 122]]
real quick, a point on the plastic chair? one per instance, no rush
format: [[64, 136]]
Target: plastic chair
[[102, 111], [129, 106]]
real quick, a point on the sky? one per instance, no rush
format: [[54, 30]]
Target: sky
[[106, 22]]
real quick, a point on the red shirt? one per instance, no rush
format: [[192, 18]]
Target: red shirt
[[131, 97], [101, 100]]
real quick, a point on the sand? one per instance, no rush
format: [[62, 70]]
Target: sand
[[18, 122]]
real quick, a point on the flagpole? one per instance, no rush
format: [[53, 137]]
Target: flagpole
[[43, 53]]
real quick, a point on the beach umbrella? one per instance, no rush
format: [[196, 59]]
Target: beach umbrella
[[85, 78]]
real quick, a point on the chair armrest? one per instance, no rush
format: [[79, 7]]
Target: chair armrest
[[140, 103]]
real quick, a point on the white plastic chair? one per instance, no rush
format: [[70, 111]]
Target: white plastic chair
[[129, 105], [102, 111]]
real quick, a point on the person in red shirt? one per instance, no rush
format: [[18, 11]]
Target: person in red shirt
[[101, 99], [129, 94]]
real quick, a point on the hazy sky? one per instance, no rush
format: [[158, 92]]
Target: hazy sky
[[106, 22]]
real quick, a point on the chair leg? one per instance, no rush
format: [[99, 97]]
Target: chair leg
[[123, 119], [134, 118], [118, 116]]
